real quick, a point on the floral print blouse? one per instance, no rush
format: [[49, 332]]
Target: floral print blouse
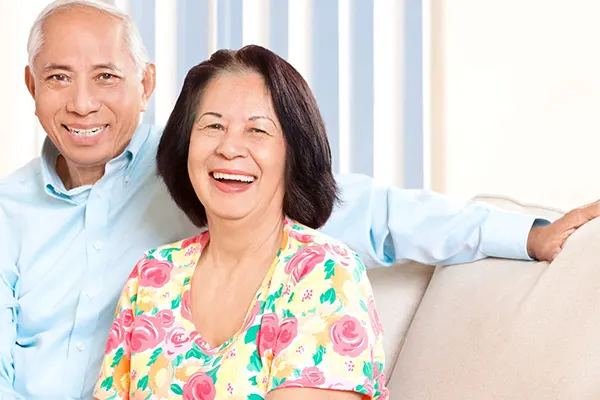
[[312, 324]]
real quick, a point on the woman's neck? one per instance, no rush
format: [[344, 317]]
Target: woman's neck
[[234, 241]]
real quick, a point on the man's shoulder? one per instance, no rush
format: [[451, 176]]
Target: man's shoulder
[[22, 181], [154, 133]]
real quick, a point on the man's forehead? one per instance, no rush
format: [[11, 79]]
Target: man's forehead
[[72, 38]]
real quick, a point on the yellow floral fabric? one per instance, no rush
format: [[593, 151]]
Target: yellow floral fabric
[[313, 323]]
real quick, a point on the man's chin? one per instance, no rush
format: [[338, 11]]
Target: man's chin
[[87, 158]]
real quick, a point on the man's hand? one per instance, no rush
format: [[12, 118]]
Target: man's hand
[[545, 242]]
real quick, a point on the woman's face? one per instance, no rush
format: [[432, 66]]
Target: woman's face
[[237, 151]]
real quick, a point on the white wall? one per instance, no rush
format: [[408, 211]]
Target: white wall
[[516, 99], [21, 135]]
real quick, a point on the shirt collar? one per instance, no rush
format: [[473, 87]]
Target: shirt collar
[[134, 147], [54, 186]]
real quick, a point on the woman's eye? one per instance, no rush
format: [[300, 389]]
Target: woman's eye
[[257, 130], [216, 126]]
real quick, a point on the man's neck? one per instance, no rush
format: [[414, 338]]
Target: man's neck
[[234, 241], [73, 176]]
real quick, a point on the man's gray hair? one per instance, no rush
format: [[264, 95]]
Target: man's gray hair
[[132, 35]]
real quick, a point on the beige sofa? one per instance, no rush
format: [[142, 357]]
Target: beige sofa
[[495, 329]]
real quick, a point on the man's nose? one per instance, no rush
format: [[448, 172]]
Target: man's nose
[[84, 99]]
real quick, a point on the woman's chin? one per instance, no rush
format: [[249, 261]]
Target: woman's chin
[[231, 214]]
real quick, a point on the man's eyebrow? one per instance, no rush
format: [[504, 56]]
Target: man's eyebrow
[[111, 66], [53, 66], [64, 67]]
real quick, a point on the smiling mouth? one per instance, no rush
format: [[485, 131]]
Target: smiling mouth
[[232, 178], [86, 132]]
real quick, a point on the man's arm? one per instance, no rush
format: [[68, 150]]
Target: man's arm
[[8, 310], [388, 225]]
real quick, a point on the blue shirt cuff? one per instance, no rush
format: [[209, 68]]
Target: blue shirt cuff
[[505, 233]]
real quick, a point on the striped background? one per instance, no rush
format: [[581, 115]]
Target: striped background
[[362, 58]]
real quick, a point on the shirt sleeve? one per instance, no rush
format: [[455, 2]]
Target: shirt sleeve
[[114, 377], [389, 225], [329, 334], [9, 278]]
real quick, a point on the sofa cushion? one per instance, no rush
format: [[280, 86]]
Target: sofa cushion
[[398, 290], [502, 329]]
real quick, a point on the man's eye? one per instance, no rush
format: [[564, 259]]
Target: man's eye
[[58, 77], [106, 76]]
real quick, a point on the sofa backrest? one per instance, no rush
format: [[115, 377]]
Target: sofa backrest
[[398, 291], [502, 329]]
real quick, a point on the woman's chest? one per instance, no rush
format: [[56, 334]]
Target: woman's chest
[[184, 365]]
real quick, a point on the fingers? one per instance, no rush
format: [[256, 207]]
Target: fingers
[[548, 241], [591, 211], [579, 216]]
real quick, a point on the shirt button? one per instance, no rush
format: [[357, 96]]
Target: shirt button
[[89, 295], [126, 178], [99, 194], [80, 346], [97, 245]]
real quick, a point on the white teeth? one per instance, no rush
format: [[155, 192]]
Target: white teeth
[[86, 132], [231, 177]]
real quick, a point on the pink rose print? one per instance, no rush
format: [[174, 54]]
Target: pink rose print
[[341, 253], [190, 241], [177, 341], [116, 336], [252, 316], [186, 311], [348, 336], [126, 318], [199, 387], [134, 273], [336, 249], [166, 318], [206, 348], [305, 260], [267, 335], [301, 237], [147, 333], [374, 317], [381, 386], [310, 377], [155, 273], [288, 330], [368, 385]]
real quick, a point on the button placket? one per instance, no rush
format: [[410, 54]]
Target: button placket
[[88, 308]]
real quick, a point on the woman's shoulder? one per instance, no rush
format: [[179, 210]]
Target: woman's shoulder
[[177, 254], [310, 253], [302, 236], [187, 246]]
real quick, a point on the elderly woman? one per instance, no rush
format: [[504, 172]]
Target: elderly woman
[[259, 305]]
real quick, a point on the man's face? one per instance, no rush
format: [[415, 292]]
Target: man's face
[[87, 89]]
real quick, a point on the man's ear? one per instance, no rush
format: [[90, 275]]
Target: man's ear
[[148, 84], [30, 81]]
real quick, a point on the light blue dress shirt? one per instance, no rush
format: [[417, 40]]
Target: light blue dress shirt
[[65, 254]]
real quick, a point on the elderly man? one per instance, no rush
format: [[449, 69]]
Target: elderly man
[[74, 222]]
